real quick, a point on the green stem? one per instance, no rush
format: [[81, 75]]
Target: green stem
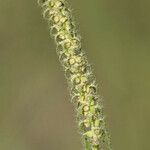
[[79, 75]]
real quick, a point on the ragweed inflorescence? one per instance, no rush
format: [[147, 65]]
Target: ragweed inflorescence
[[79, 74]]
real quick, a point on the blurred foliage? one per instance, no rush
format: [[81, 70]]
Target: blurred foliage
[[35, 112]]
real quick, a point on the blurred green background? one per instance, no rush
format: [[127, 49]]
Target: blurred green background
[[35, 111]]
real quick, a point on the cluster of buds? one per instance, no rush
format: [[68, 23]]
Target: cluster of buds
[[79, 74]]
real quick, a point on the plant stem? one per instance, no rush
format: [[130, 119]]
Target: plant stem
[[79, 75]]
